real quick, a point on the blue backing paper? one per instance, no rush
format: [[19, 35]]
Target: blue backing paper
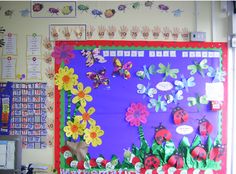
[[111, 102]]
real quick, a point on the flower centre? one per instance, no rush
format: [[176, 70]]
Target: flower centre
[[66, 79], [81, 94], [74, 128], [93, 135], [63, 54], [136, 114], [86, 116]]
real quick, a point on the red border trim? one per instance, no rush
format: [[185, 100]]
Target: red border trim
[[220, 45]]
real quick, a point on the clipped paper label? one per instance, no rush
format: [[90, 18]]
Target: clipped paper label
[[184, 130], [164, 86]]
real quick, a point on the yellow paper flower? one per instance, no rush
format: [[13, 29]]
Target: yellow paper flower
[[86, 116], [81, 95], [66, 79], [74, 129], [92, 135]]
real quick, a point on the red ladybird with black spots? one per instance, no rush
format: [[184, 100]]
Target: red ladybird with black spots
[[151, 162], [199, 152], [179, 115], [205, 127], [176, 160], [217, 152], [162, 134]]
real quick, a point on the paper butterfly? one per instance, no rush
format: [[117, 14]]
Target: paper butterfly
[[121, 69], [167, 71], [93, 56], [146, 72], [174, 97], [185, 83], [198, 67], [218, 75], [198, 100], [157, 104], [146, 90], [98, 78]]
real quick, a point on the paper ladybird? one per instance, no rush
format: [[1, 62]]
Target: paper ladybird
[[151, 162], [205, 127], [217, 152], [176, 160], [199, 153], [179, 115], [162, 134]]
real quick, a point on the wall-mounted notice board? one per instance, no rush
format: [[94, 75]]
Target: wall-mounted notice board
[[140, 106]]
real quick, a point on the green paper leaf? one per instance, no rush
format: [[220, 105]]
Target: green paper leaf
[[209, 144], [144, 147], [87, 157], [201, 164], [190, 162], [210, 164], [196, 141], [126, 165], [135, 150], [169, 149], [183, 146], [158, 150]]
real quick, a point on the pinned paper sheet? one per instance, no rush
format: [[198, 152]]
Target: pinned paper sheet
[[215, 91], [8, 68], [10, 44], [34, 68], [34, 45]]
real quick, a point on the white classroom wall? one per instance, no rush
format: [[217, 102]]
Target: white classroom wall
[[23, 26]]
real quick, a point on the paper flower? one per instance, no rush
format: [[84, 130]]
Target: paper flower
[[63, 53], [74, 129], [66, 79], [137, 114], [92, 135], [81, 95], [86, 116]]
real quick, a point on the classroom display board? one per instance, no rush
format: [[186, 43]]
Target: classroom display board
[[140, 106]]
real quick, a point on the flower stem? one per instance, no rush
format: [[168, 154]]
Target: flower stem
[[76, 108], [144, 147], [69, 106]]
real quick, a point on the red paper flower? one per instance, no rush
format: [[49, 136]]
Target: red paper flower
[[63, 53], [137, 114]]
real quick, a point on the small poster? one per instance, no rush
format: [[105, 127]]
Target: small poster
[[34, 68], [34, 45], [10, 44], [8, 68], [215, 91]]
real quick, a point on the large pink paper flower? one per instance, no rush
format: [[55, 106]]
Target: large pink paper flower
[[136, 114], [63, 53]]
